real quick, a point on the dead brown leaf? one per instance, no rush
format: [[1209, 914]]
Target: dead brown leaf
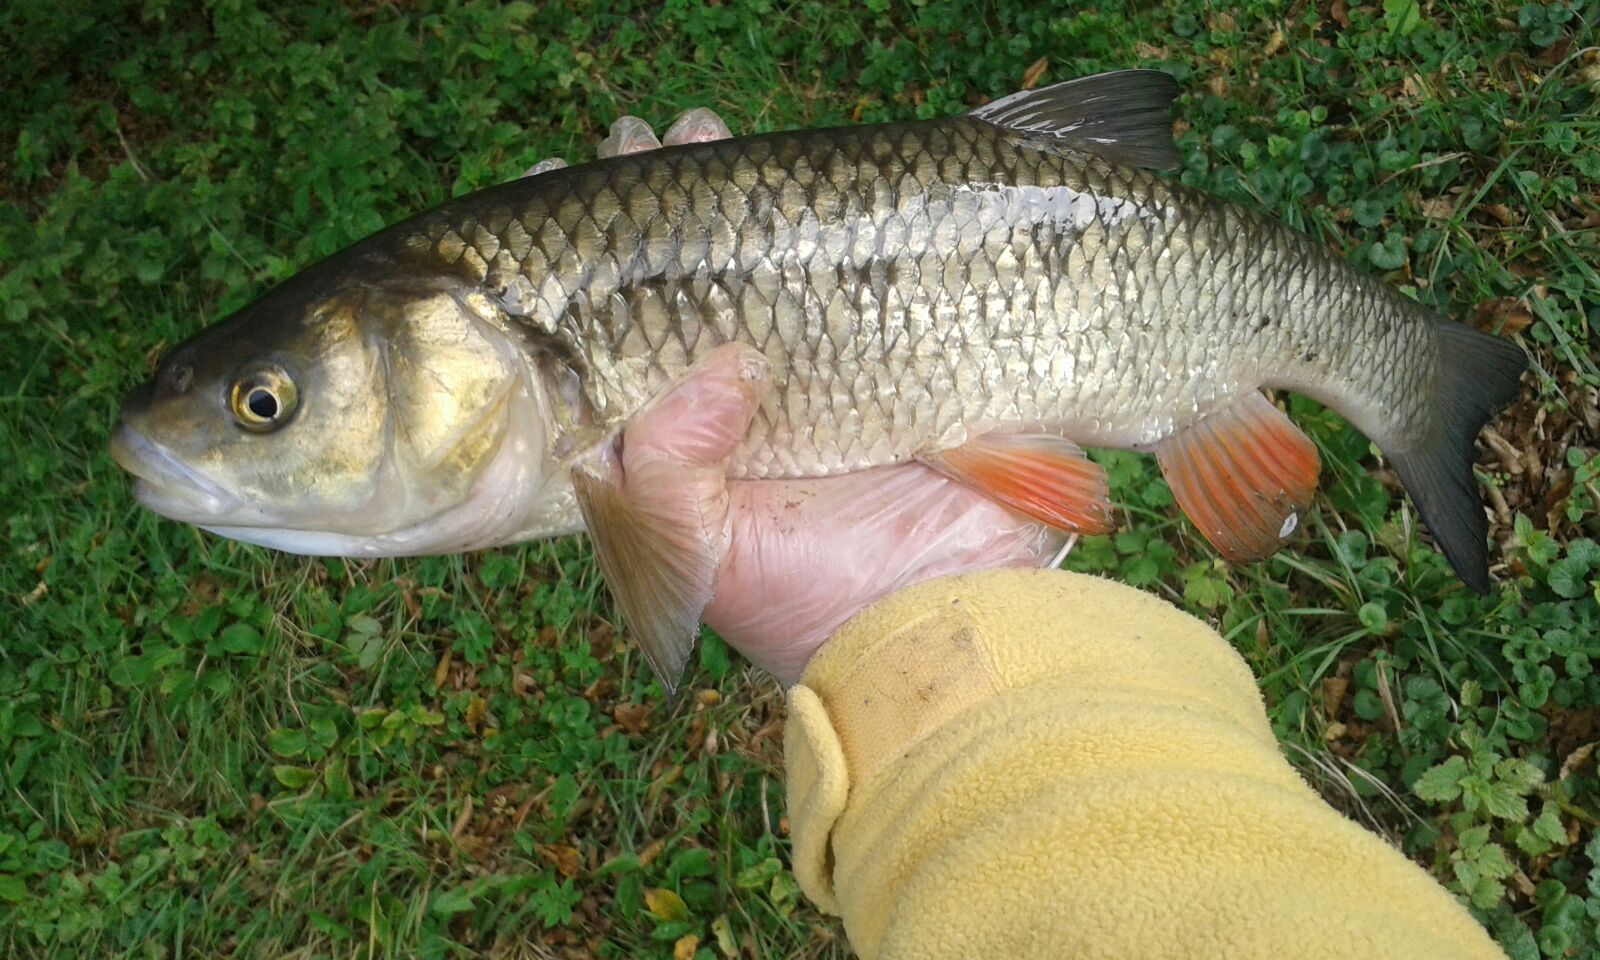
[[648, 855], [1510, 460], [632, 717], [477, 709], [1509, 315], [1333, 691], [1523, 883], [1501, 213], [1036, 69], [601, 689], [771, 730], [602, 641], [1557, 52], [1576, 758], [462, 819], [442, 671], [564, 858], [659, 785], [1438, 208]]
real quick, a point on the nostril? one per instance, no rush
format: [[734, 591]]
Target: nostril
[[178, 377]]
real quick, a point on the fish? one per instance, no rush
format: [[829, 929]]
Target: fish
[[984, 295]]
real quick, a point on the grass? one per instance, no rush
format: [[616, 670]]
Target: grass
[[207, 749]]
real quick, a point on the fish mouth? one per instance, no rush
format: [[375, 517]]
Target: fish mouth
[[165, 484], [171, 488]]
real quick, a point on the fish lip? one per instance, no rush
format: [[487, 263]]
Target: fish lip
[[164, 483]]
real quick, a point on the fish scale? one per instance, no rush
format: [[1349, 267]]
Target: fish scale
[[899, 278]]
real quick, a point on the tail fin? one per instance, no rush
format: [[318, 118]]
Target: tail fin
[[1479, 375]]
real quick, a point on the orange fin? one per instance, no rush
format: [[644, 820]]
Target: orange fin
[[1044, 477], [1244, 476]]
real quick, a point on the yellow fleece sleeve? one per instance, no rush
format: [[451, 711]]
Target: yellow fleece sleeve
[[1032, 764]]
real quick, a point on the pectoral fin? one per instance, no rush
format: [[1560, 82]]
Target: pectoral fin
[[1041, 476], [655, 501], [657, 556], [1244, 476]]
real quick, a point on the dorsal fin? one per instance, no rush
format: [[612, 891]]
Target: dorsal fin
[[1124, 116]]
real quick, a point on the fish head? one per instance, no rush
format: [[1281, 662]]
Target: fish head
[[338, 416]]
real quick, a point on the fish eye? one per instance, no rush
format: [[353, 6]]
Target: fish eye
[[263, 399]]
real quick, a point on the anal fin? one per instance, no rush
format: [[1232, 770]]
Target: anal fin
[[1244, 475], [1041, 476]]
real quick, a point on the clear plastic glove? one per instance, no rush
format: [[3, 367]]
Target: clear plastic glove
[[805, 555], [628, 135]]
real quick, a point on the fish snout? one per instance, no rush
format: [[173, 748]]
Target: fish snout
[[164, 483]]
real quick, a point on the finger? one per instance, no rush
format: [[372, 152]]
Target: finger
[[545, 166], [803, 556], [632, 135], [628, 135], [700, 125]]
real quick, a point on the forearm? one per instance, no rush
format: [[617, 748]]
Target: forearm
[[1041, 764]]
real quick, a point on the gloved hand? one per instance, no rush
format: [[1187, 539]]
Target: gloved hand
[[1040, 764]]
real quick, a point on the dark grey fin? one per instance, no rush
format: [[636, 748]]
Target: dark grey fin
[[1479, 375], [1124, 116], [656, 560]]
